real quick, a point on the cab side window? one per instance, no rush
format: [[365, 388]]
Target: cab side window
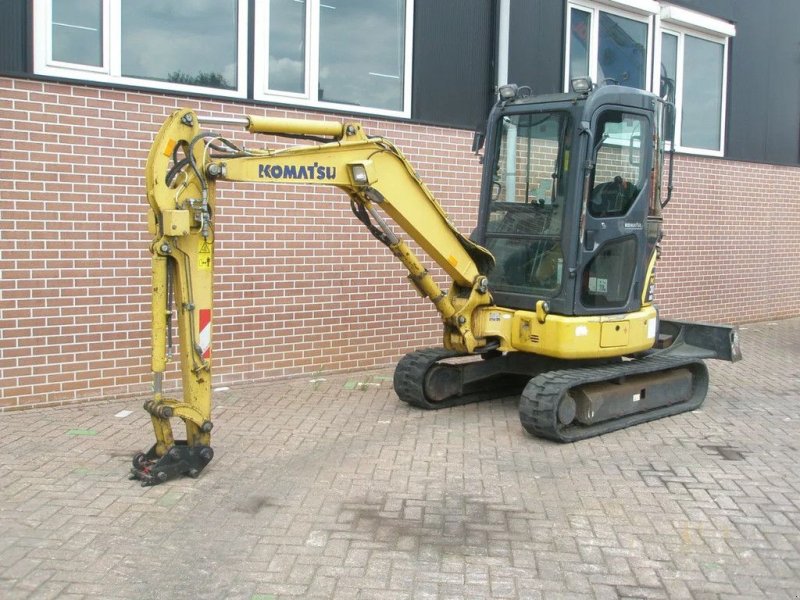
[[618, 172]]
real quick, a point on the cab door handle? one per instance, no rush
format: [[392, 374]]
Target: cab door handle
[[588, 240]]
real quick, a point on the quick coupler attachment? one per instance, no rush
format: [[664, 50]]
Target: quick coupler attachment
[[181, 459]]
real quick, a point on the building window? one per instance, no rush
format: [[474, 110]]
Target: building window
[[203, 54], [286, 42], [694, 51], [77, 32], [194, 45], [610, 44], [619, 41], [308, 54]]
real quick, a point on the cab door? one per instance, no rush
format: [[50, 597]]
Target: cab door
[[613, 242]]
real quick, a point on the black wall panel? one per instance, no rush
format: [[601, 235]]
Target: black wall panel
[[764, 78], [13, 36], [453, 61], [536, 44]]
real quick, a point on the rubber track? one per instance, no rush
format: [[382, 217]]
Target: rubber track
[[539, 401], [410, 377]]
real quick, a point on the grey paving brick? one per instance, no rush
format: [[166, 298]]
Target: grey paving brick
[[320, 491]]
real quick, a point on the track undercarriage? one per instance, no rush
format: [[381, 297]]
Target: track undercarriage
[[567, 401]]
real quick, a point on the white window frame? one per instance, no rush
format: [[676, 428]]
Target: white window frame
[[643, 11], [661, 18], [111, 69], [681, 22], [310, 97]]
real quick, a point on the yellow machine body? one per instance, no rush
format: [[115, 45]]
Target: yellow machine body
[[182, 167]]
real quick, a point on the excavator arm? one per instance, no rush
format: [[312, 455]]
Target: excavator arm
[[183, 165]]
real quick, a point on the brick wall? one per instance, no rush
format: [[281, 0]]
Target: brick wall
[[731, 251], [301, 288]]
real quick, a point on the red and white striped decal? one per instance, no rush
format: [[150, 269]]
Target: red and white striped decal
[[204, 339]]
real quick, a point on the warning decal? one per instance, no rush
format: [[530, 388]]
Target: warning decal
[[204, 339], [204, 257]]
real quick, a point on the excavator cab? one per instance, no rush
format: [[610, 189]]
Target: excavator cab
[[570, 203]]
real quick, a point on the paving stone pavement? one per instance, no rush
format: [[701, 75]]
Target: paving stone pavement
[[332, 488]]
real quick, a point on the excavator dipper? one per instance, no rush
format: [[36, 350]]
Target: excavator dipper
[[551, 298]]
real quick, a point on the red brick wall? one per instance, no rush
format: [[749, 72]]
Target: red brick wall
[[301, 286], [731, 251]]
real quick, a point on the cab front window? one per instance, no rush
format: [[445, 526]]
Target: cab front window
[[527, 204]]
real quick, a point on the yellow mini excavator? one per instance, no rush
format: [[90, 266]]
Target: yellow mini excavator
[[551, 298]]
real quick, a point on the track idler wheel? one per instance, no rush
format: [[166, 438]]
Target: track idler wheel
[[411, 376]]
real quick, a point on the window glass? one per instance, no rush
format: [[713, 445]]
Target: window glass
[[352, 71], [618, 174], [191, 42], [529, 150], [287, 46], [622, 51], [669, 65], [608, 277], [78, 32], [669, 77], [528, 196], [579, 39], [702, 93]]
